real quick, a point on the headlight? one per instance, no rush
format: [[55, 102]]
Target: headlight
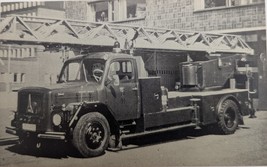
[[57, 119]]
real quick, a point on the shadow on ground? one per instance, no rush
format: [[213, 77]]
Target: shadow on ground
[[59, 150], [55, 149], [164, 137], [170, 136]]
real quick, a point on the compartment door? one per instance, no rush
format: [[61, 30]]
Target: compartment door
[[150, 95]]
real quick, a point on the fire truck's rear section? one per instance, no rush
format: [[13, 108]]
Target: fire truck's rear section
[[133, 81]]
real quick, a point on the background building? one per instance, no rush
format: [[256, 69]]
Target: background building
[[240, 17], [18, 61], [34, 8]]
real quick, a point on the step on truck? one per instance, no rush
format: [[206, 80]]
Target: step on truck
[[102, 97]]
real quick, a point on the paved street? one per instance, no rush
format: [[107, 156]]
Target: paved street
[[248, 146]]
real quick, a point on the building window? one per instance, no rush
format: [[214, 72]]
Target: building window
[[101, 14], [115, 10], [17, 52], [2, 77], [214, 3], [22, 78], [206, 4], [136, 8], [18, 77], [15, 77], [251, 37]]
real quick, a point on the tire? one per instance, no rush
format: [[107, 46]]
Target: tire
[[227, 117], [91, 135]]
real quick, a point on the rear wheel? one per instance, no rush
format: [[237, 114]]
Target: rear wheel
[[228, 117], [91, 134]]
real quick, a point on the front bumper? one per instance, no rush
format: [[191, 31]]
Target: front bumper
[[46, 135], [11, 130]]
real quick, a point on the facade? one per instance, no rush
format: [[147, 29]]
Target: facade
[[241, 17], [17, 61]]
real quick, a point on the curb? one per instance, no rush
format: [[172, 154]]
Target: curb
[[8, 141]]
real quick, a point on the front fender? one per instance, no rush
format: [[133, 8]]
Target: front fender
[[87, 107]]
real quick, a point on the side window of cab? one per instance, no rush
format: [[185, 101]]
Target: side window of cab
[[126, 71], [123, 69]]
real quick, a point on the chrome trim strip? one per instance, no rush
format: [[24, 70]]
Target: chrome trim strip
[[51, 135]]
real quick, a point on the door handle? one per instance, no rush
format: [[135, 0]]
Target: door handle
[[134, 88], [156, 95]]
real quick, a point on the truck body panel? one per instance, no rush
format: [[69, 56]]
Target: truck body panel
[[208, 101]]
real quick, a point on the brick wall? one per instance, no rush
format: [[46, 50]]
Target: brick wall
[[180, 14]]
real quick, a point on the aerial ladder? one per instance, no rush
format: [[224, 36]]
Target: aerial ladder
[[82, 37], [51, 32]]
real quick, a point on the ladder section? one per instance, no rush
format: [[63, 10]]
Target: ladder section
[[43, 31]]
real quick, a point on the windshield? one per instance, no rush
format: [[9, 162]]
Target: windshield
[[86, 70]]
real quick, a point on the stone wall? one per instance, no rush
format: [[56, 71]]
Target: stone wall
[[180, 14], [76, 10]]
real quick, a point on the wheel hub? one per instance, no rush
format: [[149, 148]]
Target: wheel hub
[[94, 135], [229, 118]]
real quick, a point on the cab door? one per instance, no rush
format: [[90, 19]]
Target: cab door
[[122, 89]]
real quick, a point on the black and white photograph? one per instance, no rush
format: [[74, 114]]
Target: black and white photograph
[[126, 83]]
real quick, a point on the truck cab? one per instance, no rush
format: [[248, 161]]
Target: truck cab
[[112, 75]]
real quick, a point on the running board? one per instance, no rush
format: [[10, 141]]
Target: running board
[[124, 136]]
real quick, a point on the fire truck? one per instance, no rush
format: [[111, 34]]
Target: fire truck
[[131, 81]]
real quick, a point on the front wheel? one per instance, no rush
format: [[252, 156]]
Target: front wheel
[[228, 117], [91, 134]]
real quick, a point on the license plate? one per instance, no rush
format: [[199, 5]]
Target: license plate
[[29, 127]]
